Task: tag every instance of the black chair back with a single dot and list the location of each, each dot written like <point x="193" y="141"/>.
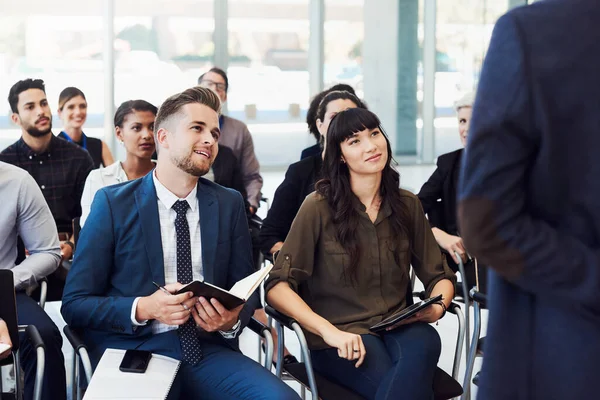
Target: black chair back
<point x="8" y="309"/>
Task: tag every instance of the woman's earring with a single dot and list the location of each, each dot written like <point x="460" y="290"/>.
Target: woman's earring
<point x="343" y="161"/>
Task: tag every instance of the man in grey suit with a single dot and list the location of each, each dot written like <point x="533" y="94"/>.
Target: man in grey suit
<point x="528" y="201"/>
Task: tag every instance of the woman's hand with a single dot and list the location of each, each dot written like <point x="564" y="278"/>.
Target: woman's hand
<point x="429" y="314"/>
<point x="349" y="345"/>
<point x="451" y="244"/>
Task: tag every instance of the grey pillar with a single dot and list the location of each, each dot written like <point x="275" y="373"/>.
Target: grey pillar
<point x="429" y="67"/>
<point x="108" y="56"/>
<point x="220" y="35"/>
<point x="391" y="56"/>
<point x="316" y="46"/>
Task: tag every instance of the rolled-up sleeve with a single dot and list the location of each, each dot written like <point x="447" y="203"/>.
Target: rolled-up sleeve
<point x="297" y="256"/>
<point x="427" y="261"/>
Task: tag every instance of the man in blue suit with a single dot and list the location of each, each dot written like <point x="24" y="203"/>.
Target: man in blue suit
<point x="171" y="227"/>
<point x="528" y="201"/>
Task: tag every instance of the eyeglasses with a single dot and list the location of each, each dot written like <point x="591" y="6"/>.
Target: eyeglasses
<point x="211" y="84"/>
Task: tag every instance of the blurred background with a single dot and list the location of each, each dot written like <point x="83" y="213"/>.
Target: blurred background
<point x="409" y="59"/>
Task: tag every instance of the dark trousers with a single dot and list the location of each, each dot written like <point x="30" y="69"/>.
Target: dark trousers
<point x="222" y="374"/>
<point x="399" y="364"/>
<point x="30" y="313"/>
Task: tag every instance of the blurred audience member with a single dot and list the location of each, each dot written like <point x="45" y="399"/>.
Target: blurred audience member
<point x="438" y="197"/>
<point x="236" y="136"/>
<point x="59" y="167"/>
<point x="72" y="110"/>
<point x="301" y="176"/>
<point x="134" y="127"/>
<point x="311" y="119"/>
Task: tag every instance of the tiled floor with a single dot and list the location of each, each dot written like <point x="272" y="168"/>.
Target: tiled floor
<point x="412" y="177"/>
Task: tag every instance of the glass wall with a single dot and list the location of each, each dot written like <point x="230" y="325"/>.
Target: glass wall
<point x="59" y="43"/>
<point x="463" y="32"/>
<point x="344" y="35"/>
<point x="162" y="46"/>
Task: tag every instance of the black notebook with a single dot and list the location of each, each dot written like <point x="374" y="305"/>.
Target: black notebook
<point x="404" y="314"/>
<point x="237" y="295"/>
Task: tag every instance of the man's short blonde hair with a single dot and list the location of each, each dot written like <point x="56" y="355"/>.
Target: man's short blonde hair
<point x="173" y="104"/>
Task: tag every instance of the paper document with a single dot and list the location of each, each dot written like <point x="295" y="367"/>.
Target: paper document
<point x="108" y="382"/>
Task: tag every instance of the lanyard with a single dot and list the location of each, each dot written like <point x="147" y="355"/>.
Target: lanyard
<point x="83" y="139"/>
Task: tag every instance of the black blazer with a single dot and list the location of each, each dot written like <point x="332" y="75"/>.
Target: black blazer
<point x="311" y="151"/>
<point x="438" y="194"/>
<point x="299" y="182"/>
<point x="227" y="171"/>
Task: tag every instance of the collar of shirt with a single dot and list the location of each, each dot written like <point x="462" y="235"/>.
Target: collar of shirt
<point x="385" y="210"/>
<point x="168" y="198"/>
<point x="66" y="137"/>
<point x="27" y="151"/>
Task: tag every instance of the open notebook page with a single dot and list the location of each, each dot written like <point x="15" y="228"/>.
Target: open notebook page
<point x="244" y="288"/>
<point x="108" y="382"/>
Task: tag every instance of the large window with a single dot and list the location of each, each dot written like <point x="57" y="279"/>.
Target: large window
<point x="464" y="29"/>
<point x="344" y="34"/>
<point x="161" y="47"/>
<point x="268" y="74"/>
<point x="61" y="44"/>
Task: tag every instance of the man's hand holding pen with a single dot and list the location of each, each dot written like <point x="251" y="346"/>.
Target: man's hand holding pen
<point x="166" y="307"/>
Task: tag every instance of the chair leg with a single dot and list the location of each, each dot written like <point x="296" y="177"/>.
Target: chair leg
<point x="280" y="345"/>
<point x="17" y="367"/>
<point x="75" y="376"/>
<point x="460" y="339"/>
<point x="268" y="363"/>
<point x="307" y="361"/>
<point x="39" y="375"/>
<point x="472" y="351"/>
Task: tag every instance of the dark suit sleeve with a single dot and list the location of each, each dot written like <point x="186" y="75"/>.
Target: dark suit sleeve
<point x="240" y="265"/>
<point x="283" y="211"/>
<point x="237" y="180"/>
<point x="496" y="222"/>
<point x="84" y="304"/>
<point x="432" y="190"/>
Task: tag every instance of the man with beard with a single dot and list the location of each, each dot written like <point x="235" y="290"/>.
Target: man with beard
<point x="59" y="167"/>
<point x="171" y="227"/>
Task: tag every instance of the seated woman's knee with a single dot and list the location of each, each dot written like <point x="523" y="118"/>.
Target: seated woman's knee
<point x="429" y="338"/>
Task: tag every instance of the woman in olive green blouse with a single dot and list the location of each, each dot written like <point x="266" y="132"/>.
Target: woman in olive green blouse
<point x="345" y="264"/>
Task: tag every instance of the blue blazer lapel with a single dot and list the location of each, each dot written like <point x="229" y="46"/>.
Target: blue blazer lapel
<point x="146" y="201"/>
<point x="209" y="228"/>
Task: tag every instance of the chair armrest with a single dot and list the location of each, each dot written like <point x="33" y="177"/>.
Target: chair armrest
<point x="257" y="327"/>
<point x="281" y="318"/>
<point x="477" y="296"/>
<point x="74" y="339"/>
<point x="420" y="295"/>
<point x="453" y="308"/>
<point x="34" y="336"/>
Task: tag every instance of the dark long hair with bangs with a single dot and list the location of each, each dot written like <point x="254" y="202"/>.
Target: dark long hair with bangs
<point x="335" y="185"/>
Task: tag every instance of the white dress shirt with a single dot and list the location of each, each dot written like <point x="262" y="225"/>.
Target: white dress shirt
<point x="166" y="199"/>
<point x="167" y="216"/>
<point x="96" y="180"/>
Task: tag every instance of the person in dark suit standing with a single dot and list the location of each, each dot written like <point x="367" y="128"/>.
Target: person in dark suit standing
<point x="438" y="197"/>
<point x="528" y="201"/>
<point x="171" y="227"/>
